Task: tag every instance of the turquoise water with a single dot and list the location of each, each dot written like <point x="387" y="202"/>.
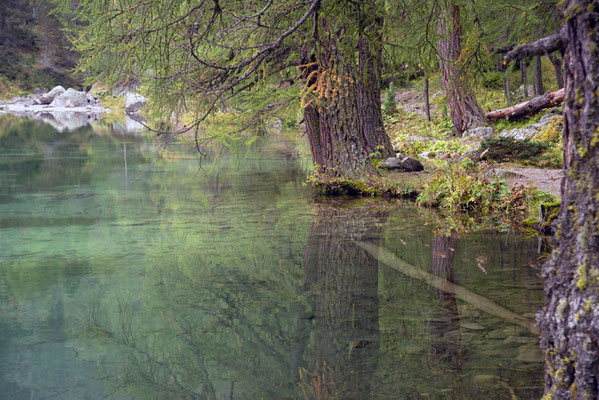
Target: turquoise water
<point x="129" y="273"/>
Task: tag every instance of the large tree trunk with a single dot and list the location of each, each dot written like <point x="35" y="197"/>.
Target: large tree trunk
<point x="465" y="111"/>
<point x="370" y="48"/>
<point x="343" y="120"/>
<point x="570" y="319"/>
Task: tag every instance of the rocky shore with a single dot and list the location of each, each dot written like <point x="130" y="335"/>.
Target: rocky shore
<point x="64" y="109"/>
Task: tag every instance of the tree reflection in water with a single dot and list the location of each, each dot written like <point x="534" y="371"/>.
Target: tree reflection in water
<point x="444" y="322"/>
<point x="342" y="280"/>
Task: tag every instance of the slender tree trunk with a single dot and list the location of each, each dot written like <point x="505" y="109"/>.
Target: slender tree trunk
<point x="570" y="319"/>
<point x="506" y="88"/>
<point x="557" y="65"/>
<point x="465" y="111"/>
<point x="523" y="78"/>
<point x="344" y="124"/>
<point x="539" y="76"/>
<point x="427" y="104"/>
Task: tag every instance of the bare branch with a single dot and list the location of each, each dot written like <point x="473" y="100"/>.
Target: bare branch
<point x="543" y="46"/>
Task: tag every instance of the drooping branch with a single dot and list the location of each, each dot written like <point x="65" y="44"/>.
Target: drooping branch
<point x="543" y="46"/>
<point x="529" y="107"/>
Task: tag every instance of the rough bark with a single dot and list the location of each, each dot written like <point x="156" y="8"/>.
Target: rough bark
<point x="342" y="282"/>
<point x="543" y="46"/>
<point x="557" y="65"/>
<point x="464" y="110"/>
<point x="539" y="76"/>
<point x="529" y="107"/>
<point x="344" y="125"/>
<point x="368" y="84"/>
<point x="569" y="321"/>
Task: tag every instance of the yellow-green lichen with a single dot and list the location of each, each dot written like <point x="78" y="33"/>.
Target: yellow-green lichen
<point x="581" y="283"/>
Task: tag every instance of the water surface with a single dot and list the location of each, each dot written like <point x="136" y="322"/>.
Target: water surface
<point x="130" y="274"/>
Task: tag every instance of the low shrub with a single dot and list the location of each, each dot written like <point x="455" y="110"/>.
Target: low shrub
<point x="510" y="149"/>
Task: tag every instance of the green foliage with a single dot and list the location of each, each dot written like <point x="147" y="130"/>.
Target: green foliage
<point x="461" y="188"/>
<point x="390" y="105"/>
<point x="403" y="124"/>
<point x="33" y="49"/>
<point x="552" y="132"/>
<point x="510" y="149"/>
<point x="413" y="148"/>
<point x="470" y="200"/>
<point x="492" y="80"/>
<point x="348" y="187"/>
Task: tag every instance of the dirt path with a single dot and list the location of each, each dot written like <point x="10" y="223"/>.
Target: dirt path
<point x="547" y="180"/>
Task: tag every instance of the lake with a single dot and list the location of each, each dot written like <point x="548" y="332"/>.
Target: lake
<point x="132" y="272"/>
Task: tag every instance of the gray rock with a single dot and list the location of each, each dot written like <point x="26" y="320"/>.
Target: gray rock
<point x="473" y="154"/>
<point x="51" y="95"/>
<point x="71" y="98"/>
<point x="428" y="155"/>
<point x="545" y="119"/>
<point x="274" y="125"/>
<point x="134" y="102"/>
<point x="519" y="134"/>
<point x="405" y="164"/>
<point x="483" y="132"/>
<point x="415" y="138"/>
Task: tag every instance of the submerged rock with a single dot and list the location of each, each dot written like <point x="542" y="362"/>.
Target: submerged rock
<point x="529" y="354"/>
<point x="472" y="326"/>
<point x="486" y="379"/>
<point x="403" y="163"/>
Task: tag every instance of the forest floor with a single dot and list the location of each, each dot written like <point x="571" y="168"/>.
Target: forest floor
<point x="409" y="126"/>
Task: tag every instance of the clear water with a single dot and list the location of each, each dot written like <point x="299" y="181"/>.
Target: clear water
<point x="132" y="276"/>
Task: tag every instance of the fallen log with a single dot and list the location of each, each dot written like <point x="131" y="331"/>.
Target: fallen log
<point x="529" y="107"/>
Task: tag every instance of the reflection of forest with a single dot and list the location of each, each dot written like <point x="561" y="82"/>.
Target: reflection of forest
<point x="234" y="285"/>
<point x="342" y="280"/>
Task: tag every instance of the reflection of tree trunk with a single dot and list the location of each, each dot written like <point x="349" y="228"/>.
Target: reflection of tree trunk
<point x="344" y="280"/>
<point x="445" y="322"/>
